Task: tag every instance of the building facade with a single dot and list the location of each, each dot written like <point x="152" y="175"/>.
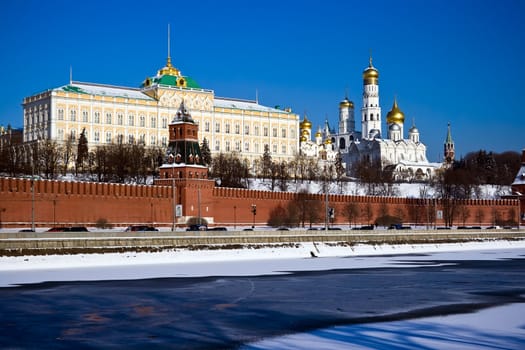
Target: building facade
<point x="405" y="157"/>
<point x="113" y="114"/>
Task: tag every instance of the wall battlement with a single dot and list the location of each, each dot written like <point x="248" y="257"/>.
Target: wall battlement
<point x="66" y="203"/>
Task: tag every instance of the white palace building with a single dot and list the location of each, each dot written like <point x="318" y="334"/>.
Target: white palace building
<point x="113" y="114"/>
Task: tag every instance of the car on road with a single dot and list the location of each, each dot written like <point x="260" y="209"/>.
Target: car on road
<point x="68" y="229"/>
<point x="140" y="228"/>
<point x="218" y="228"/>
<point x="197" y="227"/>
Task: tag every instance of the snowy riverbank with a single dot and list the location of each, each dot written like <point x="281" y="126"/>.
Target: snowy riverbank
<point x="232" y="262"/>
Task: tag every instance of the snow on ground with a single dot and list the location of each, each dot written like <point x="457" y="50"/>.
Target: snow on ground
<point x="236" y="262"/>
<point x="408" y="190"/>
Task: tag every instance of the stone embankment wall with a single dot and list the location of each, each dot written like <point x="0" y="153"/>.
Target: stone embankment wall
<point x="62" y="203"/>
<point x="56" y="243"/>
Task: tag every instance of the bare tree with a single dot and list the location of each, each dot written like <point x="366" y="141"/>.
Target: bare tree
<point x="68" y="152"/>
<point x="463" y="212"/>
<point x="277" y="216"/>
<point x="340" y="171"/>
<point x="230" y="170"/>
<point x="368" y="212"/>
<point x="351" y="212"/>
<point x="49" y="158"/>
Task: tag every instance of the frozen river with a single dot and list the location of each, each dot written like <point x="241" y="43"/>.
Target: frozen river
<point x="462" y="299"/>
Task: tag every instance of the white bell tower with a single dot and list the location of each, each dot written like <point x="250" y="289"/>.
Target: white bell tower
<point x="371" y="111"/>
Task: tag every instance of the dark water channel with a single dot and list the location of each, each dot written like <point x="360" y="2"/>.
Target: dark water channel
<point x="226" y="312"/>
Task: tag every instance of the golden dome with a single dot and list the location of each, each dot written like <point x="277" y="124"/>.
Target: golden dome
<point x="370" y="74"/>
<point x="318" y="134"/>
<point x="305" y="132"/>
<point x="346" y="103"/>
<point x="303" y="138"/>
<point x="328" y="142"/>
<point x="305" y="124"/>
<point x="169" y="69"/>
<point x="395" y="115"/>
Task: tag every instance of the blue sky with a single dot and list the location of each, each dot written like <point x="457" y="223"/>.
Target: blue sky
<point x="446" y="61"/>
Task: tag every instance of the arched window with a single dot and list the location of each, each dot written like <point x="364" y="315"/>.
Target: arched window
<point x="342" y="143"/>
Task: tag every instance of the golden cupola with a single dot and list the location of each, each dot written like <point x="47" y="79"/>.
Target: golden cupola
<point x="305" y="124"/>
<point x="169" y="69"/>
<point x="346" y="103"/>
<point x="370" y="74"/>
<point x="395" y="115"/>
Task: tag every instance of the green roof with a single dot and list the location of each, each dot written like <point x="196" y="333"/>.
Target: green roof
<point x="171" y="80"/>
<point x="71" y="88"/>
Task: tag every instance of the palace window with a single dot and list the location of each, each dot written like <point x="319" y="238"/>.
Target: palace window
<point x="283" y="149"/>
<point x="73" y="115"/>
<point x="97" y="117"/>
<point x="61" y="114"/>
<point x="131" y="139"/>
<point x="217" y="145"/>
<point x="207" y="126"/>
<point x="73" y="135"/>
<point x="120" y="119"/>
<point x="164" y="141"/>
<point x="256" y="131"/>
<point x="85" y="116"/>
<point x="283" y="132"/>
<point x="108" y="137"/>
<point x="108" y="118"/>
<point x="153" y="122"/>
<point x="238" y="146"/>
<point x="237" y="129"/>
<point x="227" y="146"/>
<point x="131" y="120"/>
<point x="256" y="147"/>
<point x="246" y="147"/>
<point x="96" y="136"/>
<point x="60" y="134"/>
<point x="227" y="128"/>
<point x="265" y="131"/>
<point x="274" y="148"/>
<point x="292" y="133"/>
<point x="274" y="132"/>
<point x="164" y="123"/>
<point x="246" y="130"/>
<point x="152" y="140"/>
<point x="142" y="139"/>
<point x="142" y="121"/>
<point x="217" y="127"/>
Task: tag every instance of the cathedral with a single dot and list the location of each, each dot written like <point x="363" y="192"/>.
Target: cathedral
<point x="405" y="157"/>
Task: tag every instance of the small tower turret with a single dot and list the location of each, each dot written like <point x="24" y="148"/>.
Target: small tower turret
<point x="449" y="151"/>
<point x="346" y="116"/>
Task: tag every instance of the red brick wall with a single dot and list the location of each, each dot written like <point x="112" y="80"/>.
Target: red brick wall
<point x="83" y="203"/>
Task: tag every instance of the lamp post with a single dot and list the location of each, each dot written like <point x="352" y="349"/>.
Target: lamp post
<point x="254" y="212"/>
<point x="174" y="201"/>
<point x="234" y="217"/>
<point x="32" y="203"/>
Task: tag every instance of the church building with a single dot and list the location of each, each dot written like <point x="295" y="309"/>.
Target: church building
<point x="405" y="157"/>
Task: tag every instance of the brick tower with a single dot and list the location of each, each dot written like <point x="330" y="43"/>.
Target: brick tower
<point x="184" y="169"/>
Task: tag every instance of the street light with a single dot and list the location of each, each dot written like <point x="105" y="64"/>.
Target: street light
<point x="234" y="217"/>
<point x="254" y="212"/>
